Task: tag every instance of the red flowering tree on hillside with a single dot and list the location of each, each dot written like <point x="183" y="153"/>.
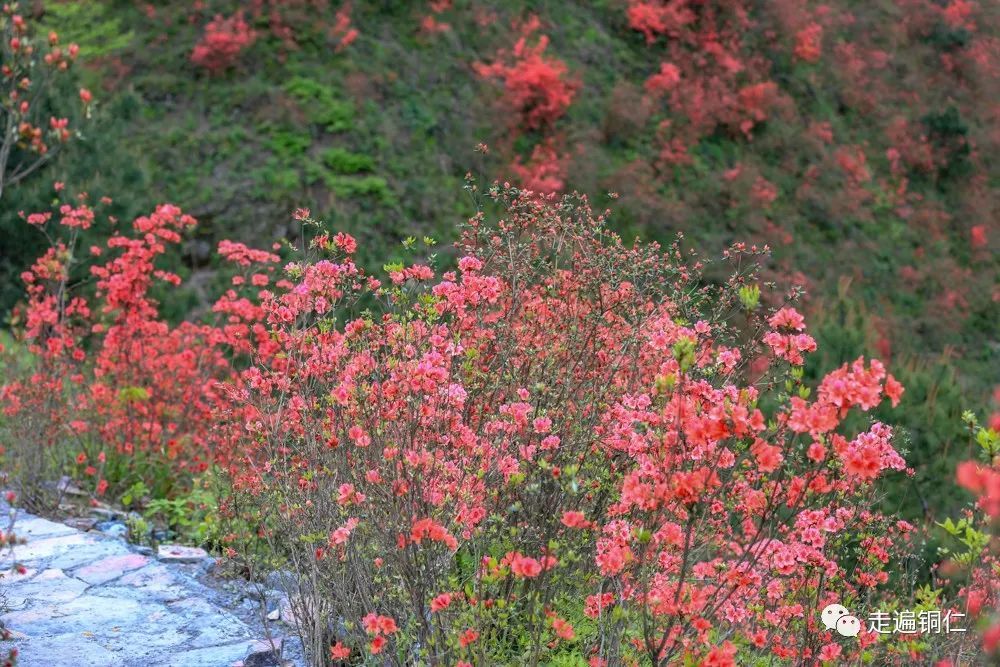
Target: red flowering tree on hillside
<point x="708" y="76"/>
<point x="536" y="85"/>
<point x="537" y="89"/>
<point x="224" y="40"/>
<point x="288" y="22"/>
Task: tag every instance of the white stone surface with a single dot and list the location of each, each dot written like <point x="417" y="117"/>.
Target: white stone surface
<point x="177" y="553"/>
<point x="90" y="600"/>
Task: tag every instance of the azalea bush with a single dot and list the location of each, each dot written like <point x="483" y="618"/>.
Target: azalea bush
<point x="538" y="90"/>
<point x="973" y="555"/>
<point x="708" y="75"/>
<point x="99" y="387"/>
<point x="225" y="38"/>
<point x="559" y="447"/>
<point x="556" y="449"/>
<point x="536" y="86"/>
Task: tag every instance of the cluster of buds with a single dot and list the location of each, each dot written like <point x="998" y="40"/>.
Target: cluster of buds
<point x="59" y="58"/>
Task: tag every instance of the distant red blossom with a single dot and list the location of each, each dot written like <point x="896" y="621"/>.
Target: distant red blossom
<point x="665" y="80"/>
<point x="544" y="172"/>
<point x="809" y="43"/>
<point x="659" y="17"/>
<point x="536" y="85"/>
<point x="223" y="42"/>
<point x="977" y="236"/>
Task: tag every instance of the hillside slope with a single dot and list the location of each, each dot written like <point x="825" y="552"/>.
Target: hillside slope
<point x="858" y="140"/>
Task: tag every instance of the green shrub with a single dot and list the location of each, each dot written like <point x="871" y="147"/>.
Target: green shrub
<point x="345" y="162"/>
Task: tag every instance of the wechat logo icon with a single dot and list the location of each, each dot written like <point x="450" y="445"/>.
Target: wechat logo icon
<point x="837" y="617"/>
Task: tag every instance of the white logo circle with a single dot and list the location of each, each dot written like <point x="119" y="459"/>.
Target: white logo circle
<point x="833" y="613"/>
<point x="849" y="626"/>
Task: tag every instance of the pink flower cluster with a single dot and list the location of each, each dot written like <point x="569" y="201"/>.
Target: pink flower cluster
<point x="224" y="40"/>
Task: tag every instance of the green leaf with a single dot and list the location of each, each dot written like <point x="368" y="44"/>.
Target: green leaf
<point x="750" y="296"/>
<point x="130" y="394"/>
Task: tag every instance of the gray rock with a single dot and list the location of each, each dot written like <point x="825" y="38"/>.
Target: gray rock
<point x="208" y="627"/>
<point x="147" y="645"/>
<point x="282" y="580"/>
<point x="88" y="600"/>
<point x="276" y="608"/>
<point x="256" y="592"/>
<point x="12" y="603"/>
<point x="287" y="612"/>
<point x="155" y="582"/>
<point x="162" y="535"/>
<point x="81" y="523"/>
<point x="66" y="486"/>
<point x="177" y="553"/>
<point x="106" y="514"/>
<point x="34" y="528"/>
<point x="110" y="568"/>
<point x="48" y="651"/>
<point x="264" y="654"/>
<point x="200" y="249"/>
<point x="212" y="656"/>
<point x="48" y="587"/>
<point x="88" y="552"/>
<point x="259" y="592"/>
<point x="112" y="528"/>
<point x="47" y="547"/>
<point x="88" y="613"/>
